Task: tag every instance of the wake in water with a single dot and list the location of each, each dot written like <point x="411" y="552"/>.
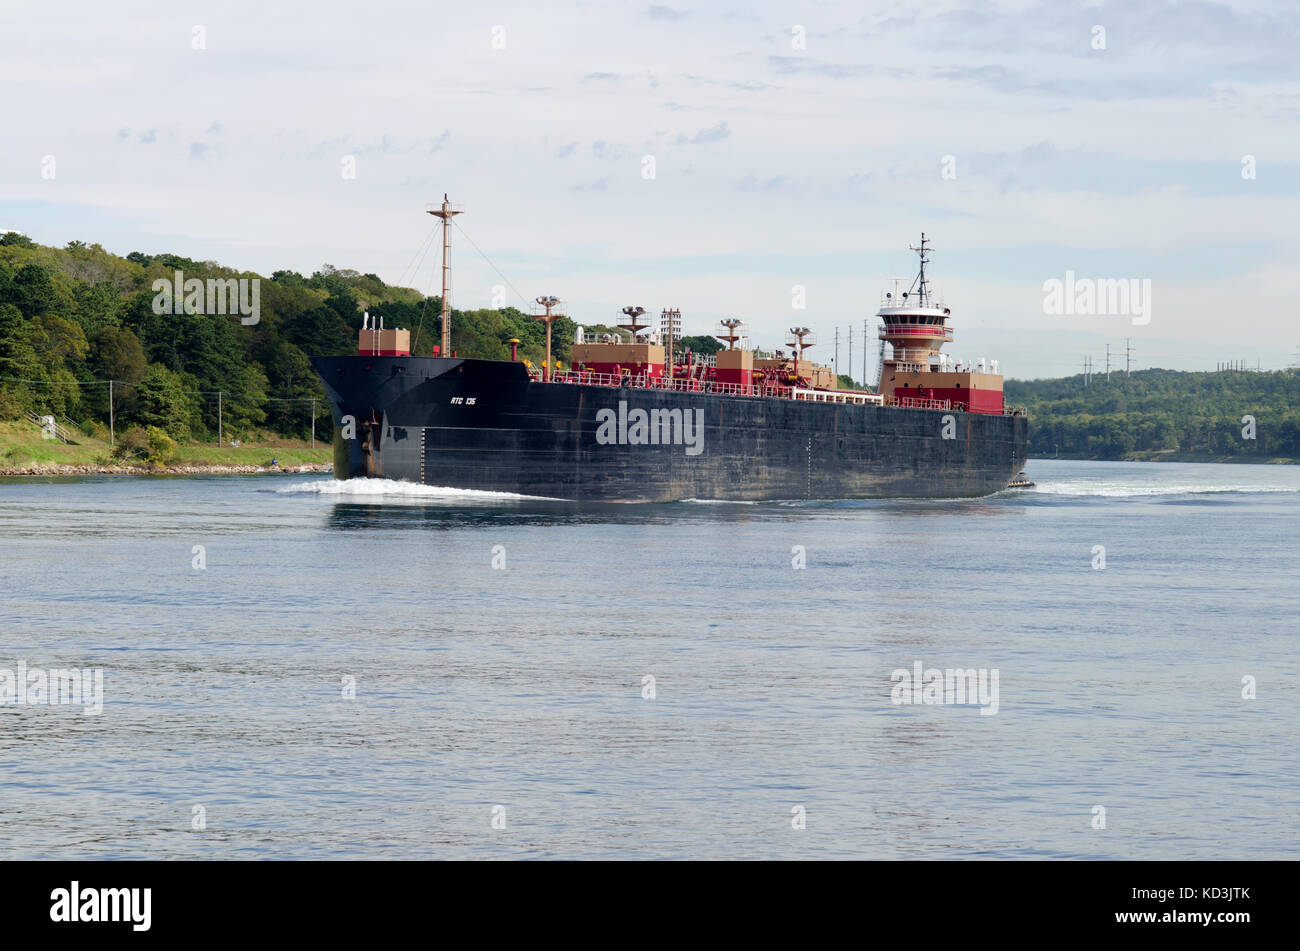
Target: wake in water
<point x="1121" y="491"/>
<point x="1111" y="480"/>
<point x="381" y="489"/>
<point x="1158" y="480"/>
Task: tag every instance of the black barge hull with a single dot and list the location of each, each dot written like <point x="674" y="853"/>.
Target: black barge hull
<point x="482" y="424"/>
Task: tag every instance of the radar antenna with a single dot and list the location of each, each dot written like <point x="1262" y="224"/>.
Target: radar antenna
<point x="921" y="284"/>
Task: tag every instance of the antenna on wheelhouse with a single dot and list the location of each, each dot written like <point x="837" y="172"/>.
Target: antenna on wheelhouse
<point x="446" y="212"/>
<point x="920" y="283"/>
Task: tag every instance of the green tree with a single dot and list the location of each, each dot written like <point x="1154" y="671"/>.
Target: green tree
<point x="18" y="360"/>
<point x="247" y="406"/>
<point x="64" y="342"/>
<point x="161" y="401"/>
<point x="701" y="343"/>
<point x="96" y="306"/>
<point x="33" y="291"/>
<point x="320" y="331"/>
<point x="118" y="355"/>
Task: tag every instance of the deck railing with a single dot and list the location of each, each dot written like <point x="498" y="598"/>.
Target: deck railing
<point x="908" y="402"/>
<point x="916" y="330"/>
<point x="934" y="301"/>
<point x="642" y="382"/>
<point x="838" y="396"/>
<point x="913" y="355"/>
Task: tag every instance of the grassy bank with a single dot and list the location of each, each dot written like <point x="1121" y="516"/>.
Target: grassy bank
<point x="22" y="444"/>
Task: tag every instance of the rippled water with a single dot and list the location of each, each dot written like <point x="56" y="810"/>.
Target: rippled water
<point x="522" y="687"/>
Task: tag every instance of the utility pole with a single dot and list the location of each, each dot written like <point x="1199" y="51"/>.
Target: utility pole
<point x="1128" y="356"/>
<point x="670" y="328"/>
<point x="850" y="354"/>
<point x="446" y="213"/>
<point x="837" y="357"/>
<point x="1107" y="363"/>
<point x="220" y="437"/>
<point x="111" y="440"/>
<point x="313" y="424"/>
<point x="1086" y="366"/>
<point x="864" y="350"/>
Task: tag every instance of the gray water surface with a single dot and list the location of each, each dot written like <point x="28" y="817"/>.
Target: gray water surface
<point x="522" y="687"/>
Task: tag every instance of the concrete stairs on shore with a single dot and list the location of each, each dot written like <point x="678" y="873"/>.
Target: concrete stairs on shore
<point x="51" y="427"/>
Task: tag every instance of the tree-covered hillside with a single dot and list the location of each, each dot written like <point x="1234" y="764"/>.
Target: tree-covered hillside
<point x="72" y="319"/>
<point x="1163" y="414"/>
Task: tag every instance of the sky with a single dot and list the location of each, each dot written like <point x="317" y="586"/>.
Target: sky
<point x="726" y="159"/>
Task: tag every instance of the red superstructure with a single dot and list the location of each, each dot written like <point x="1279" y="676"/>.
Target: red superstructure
<point x="917" y="372"/>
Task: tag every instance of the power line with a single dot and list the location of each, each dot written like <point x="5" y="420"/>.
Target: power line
<point x="865" y="382"/>
<point x="14" y="379"/>
<point x="237" y="393"/>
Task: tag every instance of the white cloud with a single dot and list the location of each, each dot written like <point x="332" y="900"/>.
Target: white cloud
<point x="830" y="153"/>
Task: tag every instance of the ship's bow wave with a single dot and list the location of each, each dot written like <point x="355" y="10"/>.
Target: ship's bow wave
<point x="393" y="489"/>
<point x="1124" y="490"/>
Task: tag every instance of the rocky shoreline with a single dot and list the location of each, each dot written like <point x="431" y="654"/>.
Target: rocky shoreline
<point x="57" y="469"/>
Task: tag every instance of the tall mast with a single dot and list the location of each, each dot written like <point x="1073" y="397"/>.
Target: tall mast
<point x="548" y="318"/>
<point x="923" y="250"/>
<point x="446" y="213"/>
